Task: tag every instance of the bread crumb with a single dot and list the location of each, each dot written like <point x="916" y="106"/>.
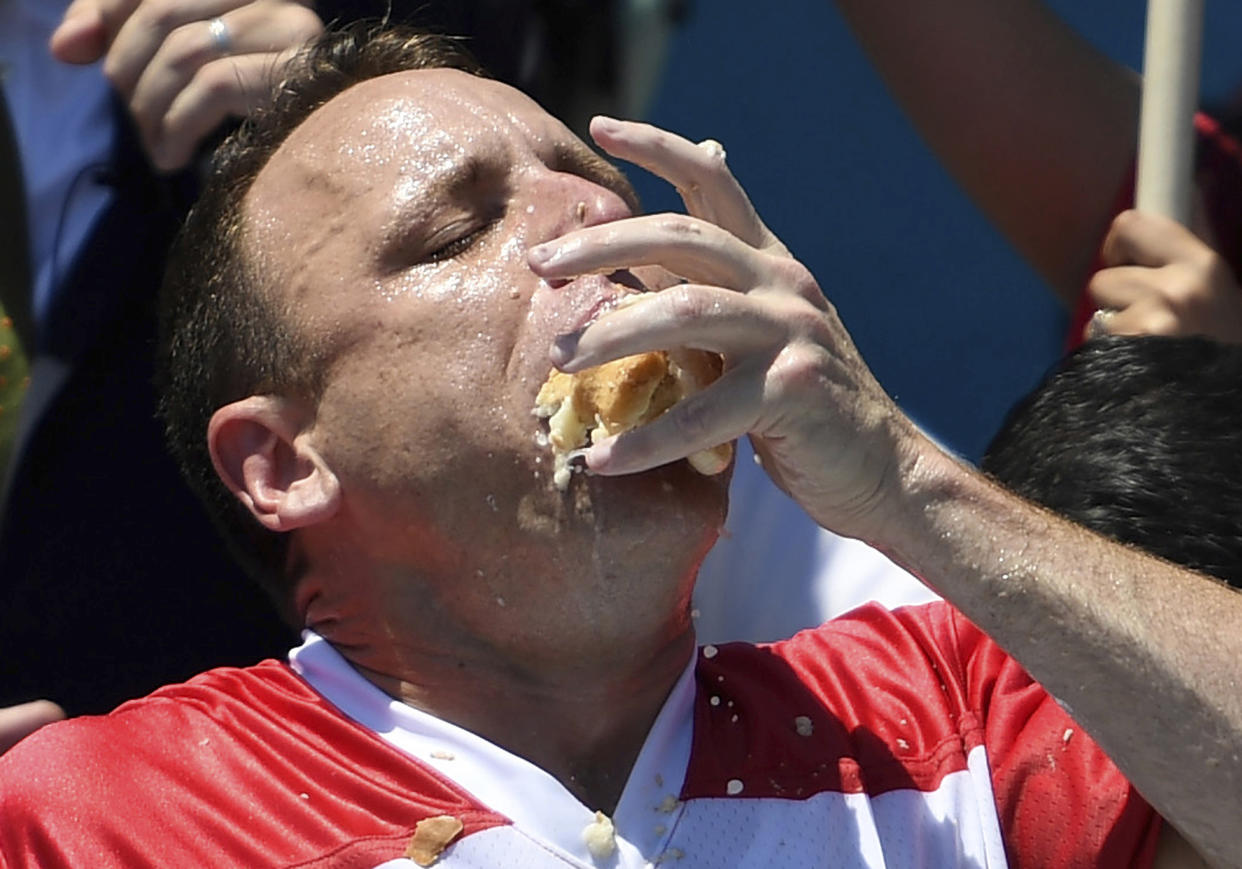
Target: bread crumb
<point x="733" y="787"/>
<point x="667" y="805"/>
<point x="803" y="725"/>
<point x="600" y="836"/>
<point x="441" y="754"/>
<point x="709" y="651"/>
<point x="715" y="701"/>
<point x="431" y="837"/>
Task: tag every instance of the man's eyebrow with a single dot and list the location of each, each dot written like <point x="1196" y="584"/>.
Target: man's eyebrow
<point x="461" y="174"/>
<point x="578" y="159"/>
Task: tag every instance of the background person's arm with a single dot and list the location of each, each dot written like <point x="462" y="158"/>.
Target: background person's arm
<point x="1036" y="125"/>
<point x="18" y="722"/>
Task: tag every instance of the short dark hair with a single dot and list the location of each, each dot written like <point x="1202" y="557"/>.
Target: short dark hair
<point x="221" y="336"/>
<point x="1139" y="439"/>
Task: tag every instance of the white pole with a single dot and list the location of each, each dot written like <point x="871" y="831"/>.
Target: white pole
<point x="1171" y="61"/>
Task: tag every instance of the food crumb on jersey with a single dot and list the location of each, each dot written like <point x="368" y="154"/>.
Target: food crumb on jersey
<point x="709" y="651"/>
<point x="1065" y="737"/>
<point x="803" y="725"/>
<point x="600" y="836"/>
<point x="670" y="854"/>
<point x="667" y="805"/>
<point x="441" y="754"/>
<point x="431" y="837"/>
<point x="733" y="787"/>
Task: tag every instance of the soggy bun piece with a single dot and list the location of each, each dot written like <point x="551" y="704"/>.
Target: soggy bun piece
<point x="620" y="395"/>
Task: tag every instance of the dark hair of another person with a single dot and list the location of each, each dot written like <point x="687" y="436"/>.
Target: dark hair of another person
<point x="221" y="337"/>
<point x="1139" y="439"/>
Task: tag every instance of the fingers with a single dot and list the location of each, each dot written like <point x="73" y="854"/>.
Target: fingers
<point x="1120" y="286"/>
<point x="692" y="248"/>
<point x="1143" y="239"/>
<point x="168" y="62"/>
<point x="224" y="88"/>
<point x="88" y="28"/>
<point x="153" y="24"/>
<point x="18" y="722"/>
<point x="704" y="318"/>
<point x="1148" y="316"/>
<point x="698" y="422"/>
<point x="699" y="173"/>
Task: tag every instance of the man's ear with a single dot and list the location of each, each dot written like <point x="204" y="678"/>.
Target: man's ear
<point x="264" y="454"/>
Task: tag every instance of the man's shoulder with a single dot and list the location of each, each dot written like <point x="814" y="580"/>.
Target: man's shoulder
<point x="72" y="759"/>
<point x="251" y="762"/>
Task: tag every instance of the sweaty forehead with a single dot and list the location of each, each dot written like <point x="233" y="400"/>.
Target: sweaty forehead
<point x="417" y="113"/>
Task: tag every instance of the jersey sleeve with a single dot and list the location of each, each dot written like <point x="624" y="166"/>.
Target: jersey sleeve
<point x="1060" y="800"/>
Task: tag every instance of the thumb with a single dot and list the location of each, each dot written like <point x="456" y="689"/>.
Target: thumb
<point x="82" y="36"/>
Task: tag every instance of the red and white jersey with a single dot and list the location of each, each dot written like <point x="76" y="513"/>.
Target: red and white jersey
<point x="886" y="738"/>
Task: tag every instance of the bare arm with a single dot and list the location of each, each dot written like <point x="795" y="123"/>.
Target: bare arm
<point x="1036" y="125"/>
<point x="1145" y="654"/>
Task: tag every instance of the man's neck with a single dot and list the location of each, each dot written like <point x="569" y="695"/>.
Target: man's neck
<point x="585" y="723"/>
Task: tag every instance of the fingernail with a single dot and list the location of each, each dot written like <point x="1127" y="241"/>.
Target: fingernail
<point x="600" y="452"/>
<point x="541" y="254"/>
<point x="606" y="124"/>
<point x="564" y="348"/>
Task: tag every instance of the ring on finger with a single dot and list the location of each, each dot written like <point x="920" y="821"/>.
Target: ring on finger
<point x="221" y="38"/>
<point x="1098" y="324"/>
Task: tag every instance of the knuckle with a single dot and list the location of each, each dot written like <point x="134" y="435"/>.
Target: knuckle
<point x="185" y="51"/>
<point x="796" y="369"/>
<point x="795" y="276"/>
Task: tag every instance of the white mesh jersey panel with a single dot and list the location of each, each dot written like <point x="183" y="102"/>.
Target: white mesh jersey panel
<point x="952" y="826"/>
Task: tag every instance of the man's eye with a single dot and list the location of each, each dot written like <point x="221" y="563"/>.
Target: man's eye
<point x="459" y="245"/>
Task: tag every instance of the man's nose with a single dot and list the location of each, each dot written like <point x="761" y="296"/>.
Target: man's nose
<point x="571" y="202"/>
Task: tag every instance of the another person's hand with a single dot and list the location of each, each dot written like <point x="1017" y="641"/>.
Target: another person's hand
<point x="1161" y="279"/>
<point x="823" y="427"/>
<point x="18" y="722"/>
<point x="184" y="66"/>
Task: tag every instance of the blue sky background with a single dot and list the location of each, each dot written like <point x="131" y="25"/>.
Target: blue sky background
<point x="952" y="322"/>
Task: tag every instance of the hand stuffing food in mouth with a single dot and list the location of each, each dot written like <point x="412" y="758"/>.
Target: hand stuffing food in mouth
<point x="621" y="395"/>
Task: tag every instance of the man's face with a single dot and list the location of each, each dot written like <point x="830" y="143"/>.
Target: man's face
<point x="395" y="224"/>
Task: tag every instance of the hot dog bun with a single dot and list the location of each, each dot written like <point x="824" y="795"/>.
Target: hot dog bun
<point x="620" y="395"/>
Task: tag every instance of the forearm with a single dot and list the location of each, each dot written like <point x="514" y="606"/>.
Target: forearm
<point x="1035" y="124"/>
<point x="1144" y="654"/>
